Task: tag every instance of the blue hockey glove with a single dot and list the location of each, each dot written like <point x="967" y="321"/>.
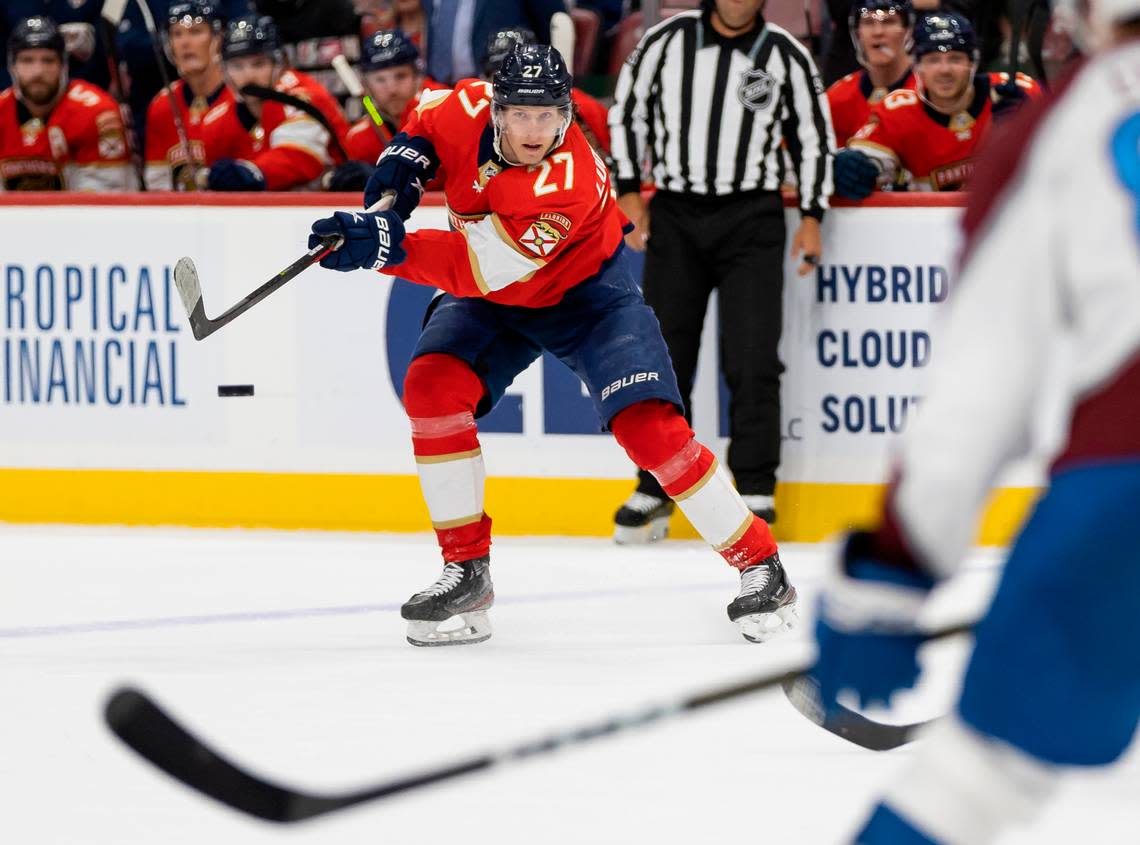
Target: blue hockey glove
<point x="349" y="176"/>
<point x="867" y="630"/>
<point x="370" y="239"/>
<point x="230" y="174"/>
<point x="855" y="175"/>
<point x="407" y="164"/>
<point x="1007" y="98"/>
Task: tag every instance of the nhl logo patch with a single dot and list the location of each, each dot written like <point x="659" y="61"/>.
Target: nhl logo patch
<point x="541" y="238"/>
<point x="756" y="89"/>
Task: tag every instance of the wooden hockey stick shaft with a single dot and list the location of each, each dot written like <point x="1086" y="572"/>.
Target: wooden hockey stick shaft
<point x="142" y="724"/>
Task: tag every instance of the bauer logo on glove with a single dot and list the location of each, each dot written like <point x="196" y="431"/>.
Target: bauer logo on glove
<point x="371" y="240"/>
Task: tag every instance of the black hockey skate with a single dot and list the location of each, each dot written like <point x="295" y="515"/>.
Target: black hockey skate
<point x="642" y="519"/>
<point x="766" y="603"/>
<point x="453" y="610"/>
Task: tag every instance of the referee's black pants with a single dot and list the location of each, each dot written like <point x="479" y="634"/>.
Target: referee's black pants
<point x="735" y="245"/>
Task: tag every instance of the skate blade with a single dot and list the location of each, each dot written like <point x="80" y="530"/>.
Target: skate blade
<point x="760" y="627"/>
<point x="651" y="532"/>
<point x="461" y="629"/>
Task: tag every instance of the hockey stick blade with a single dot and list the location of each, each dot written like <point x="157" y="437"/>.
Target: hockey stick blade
<point x="153" y="734"/>
<point x="190" y="290"/>
<point x="803" y="693"/>
<point x="190" y="287"/>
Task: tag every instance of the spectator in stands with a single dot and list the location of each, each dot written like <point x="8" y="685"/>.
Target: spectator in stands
<point x="77" y="21"/>
<point x="707" y="98"/>
<point x="459" y="30"/>
<point x="394" y="80"/>
<point x="610" y="11"/>
<point x="258" y="143"/>
<point x="56" y="134"/>
<point x="134" y="49"/>
<point x="192" y="36"/>
<point x="404" y="15"/>
<point x="590" y="115"/>
<point x="929" y="135"/>
<point x="881" y="31"/>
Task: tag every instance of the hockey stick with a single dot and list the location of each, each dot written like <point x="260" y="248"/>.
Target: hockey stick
<point x="190" y="288"/>
<point x="803" y="693"/>
<point x="151" y="732"/>
<point x="263" y="93"/>
<point x="356" y="89"/>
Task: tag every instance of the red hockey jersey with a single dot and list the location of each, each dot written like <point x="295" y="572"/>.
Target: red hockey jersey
<point x="522" y="235"/>
<point x="80" y="147"/>
<point x="287" y="145"/>
<point x="852" y="98"/>
<point x="593" y="119"/>
<point x="366" y="139"/>
<point x="937" y="150"/>
<point x="165" y="157"/>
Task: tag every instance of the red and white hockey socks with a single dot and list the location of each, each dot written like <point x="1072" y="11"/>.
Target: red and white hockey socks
<point x="440" y="396"/>
<point x="657" y="438"/>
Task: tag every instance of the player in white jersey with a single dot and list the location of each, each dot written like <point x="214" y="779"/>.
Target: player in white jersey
<point x="1052" y="255"/>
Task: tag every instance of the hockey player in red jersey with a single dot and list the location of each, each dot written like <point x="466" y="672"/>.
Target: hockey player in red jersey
<point x="259" y="145"/>
<point x="881" y="32"/>
<point x="54" y="134"/>
<point x="535" y="261"/>
<point x="193" y="40"/>
<point x="1045" y="316"/>
<point x="927" y="137"/>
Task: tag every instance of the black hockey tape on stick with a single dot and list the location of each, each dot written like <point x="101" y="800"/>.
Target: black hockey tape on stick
<point x="144" y="726"/>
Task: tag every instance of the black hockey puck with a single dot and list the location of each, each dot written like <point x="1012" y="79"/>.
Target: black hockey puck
<point x="227" y="390"/>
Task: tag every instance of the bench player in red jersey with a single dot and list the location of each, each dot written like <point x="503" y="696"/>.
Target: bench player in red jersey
<point x="535" y="261"/>
<point x="928" y="137"/>
<point x="393" y="77"/>
<point x="881" y="32"/>
<point x="54" y="134"/>
<point x="193" y="41"/>
<point x="260" y="145"/>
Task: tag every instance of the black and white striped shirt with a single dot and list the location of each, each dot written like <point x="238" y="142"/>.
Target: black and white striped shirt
<point x="709" y="113"/>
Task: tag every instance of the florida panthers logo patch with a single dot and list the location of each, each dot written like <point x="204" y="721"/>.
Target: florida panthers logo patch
<point x="541" y="238"/>
<point x="756" y="89"/>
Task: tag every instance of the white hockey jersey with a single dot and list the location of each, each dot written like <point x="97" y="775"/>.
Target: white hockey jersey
<point x="1055" y="253"/>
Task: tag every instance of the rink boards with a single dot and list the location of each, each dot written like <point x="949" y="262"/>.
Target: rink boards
<point x="112" y="411"/>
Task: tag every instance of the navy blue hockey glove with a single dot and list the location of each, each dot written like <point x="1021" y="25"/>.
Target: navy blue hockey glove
<point x="371" y="239"/>
<point x="230" y="174"/>
<point x="1007" y="98"/>
<point x="407" y="164"/>
<point x="349" y="176"/>
<point x="867" y="631"/>
<point x="855" y="175"/>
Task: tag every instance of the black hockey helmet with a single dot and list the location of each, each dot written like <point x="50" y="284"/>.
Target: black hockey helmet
<point x="388" y="48"/>
<point x="945" y="32"/>
<point x="251" y="35"/>
<point x="191" y="12"/>
<point x="38" y="32"/>
<point x="532" y="75"/>
<point x="861" y="8"/>
<point x="500" y="44"/>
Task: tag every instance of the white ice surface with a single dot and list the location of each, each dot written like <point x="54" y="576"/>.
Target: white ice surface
<point x="287" y="651"/>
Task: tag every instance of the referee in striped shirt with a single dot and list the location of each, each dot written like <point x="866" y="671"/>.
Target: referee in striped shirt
<point x="709" y="100"/>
